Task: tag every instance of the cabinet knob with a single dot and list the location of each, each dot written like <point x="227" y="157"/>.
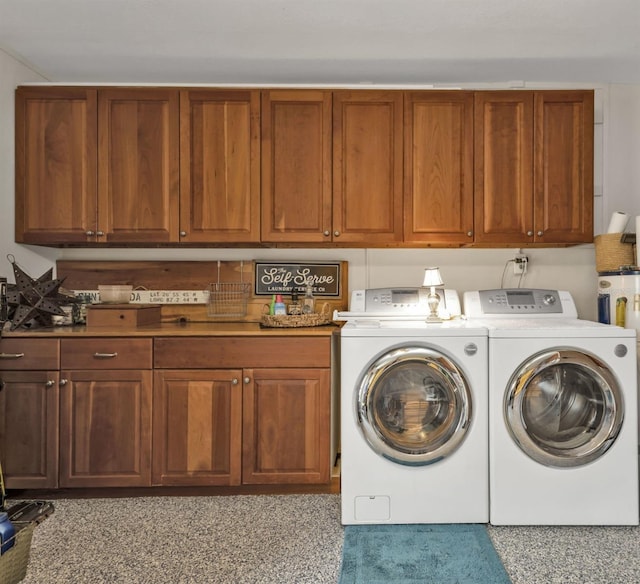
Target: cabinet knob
<point x="326" y="233"/>
<point x="530" y="233"/>
<point x="469" y="233"/>
<point x="50" y="383"/>
<point x="99" y="233"/>
<point x="183" y="234"/>
<point x="247" y="380"/>
<point x="63" y="382"/>
<point x="234" y="381"/>
<point x="540" y="233"/>
<point x="336" y="234"/>
<point x="90" y="233"/>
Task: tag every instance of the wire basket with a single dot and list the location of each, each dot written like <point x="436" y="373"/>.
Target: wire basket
<point x="228" y="299"/>
<point x="14" y="562"/>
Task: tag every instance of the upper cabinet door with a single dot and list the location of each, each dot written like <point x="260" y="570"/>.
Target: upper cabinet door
<point x="296" y="166"/>
<point x="563" y="179"/>
<point x="138" y="189"/>
<point x="367" y="167"/>
<point x="503" y="173"/>
<point x="220" y="166"/>
<point x="438" y="162"/>
<point x="56" y="153"/>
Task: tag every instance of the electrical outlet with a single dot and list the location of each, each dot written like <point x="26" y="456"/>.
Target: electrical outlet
<point x="520" y="263"/>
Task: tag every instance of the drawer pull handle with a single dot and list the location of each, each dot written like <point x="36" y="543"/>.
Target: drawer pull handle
<point x="11" y="355"/>
<point x="105" y="355"/>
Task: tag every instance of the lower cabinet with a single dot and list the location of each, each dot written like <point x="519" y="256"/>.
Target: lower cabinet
<point x="267" y="422"/>
<point x="29" y="413"/>
<point x="105" y="412"/>
<point x="197" y="421"/>
<point x="286" y="426"/>
<point x="170" y="411"/>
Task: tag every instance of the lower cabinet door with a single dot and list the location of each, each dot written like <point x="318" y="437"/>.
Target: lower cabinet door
<point x="105" y="428"/>
<point x="197" y="427"/>
<point x="286" y="426"/>
<point x="29" y="429"/>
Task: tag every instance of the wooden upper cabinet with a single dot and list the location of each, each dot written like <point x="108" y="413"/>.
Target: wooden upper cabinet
<point x="56" y="156"/>
<point x="367" y="167"/>
<point x="296" y="166"/>
<point x="563" y="163"/>
<point x="438" y="167"/>
<point x="220" y="166"/>
<point x="138" y="189"/>
<point x="534" y="167"/>
<point x="503" y="154"/>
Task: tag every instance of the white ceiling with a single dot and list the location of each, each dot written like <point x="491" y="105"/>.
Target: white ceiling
<point x="325" y="41"/>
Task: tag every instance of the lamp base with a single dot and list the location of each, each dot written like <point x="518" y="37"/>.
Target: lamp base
<point x="433" y="318"/>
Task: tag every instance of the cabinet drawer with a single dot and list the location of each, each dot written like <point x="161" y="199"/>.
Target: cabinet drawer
<point x="29" y="354"/>
<point x="106" y="353"/>
<point x="225" y="352"/>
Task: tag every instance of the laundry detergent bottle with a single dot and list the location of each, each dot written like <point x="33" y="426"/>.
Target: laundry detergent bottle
<point x="7" y="532"/>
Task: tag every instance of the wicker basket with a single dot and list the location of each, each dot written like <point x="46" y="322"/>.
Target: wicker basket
<point x="296" y="320"/>
<point x="611" y="253"/>
<point x="14" y="562"/>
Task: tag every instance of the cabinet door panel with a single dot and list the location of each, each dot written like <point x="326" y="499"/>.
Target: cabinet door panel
<point x="138" y="165"/>
<point x="438" y="204"/>
<point x="286" y="426"/>
<point x="29" y="429"/>
<point x="56" y="157"/>
<point x="563" y="181"/>
<point x="220" y="166"/>
<point x="503" y="173"/>
<point x="197" y="427"/>
<point x="105" y="428"/>
<point x="367" y="166"/>
<point x="296" y="166"/>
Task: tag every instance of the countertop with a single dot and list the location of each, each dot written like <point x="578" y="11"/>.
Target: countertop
<point x="175" y="329"/>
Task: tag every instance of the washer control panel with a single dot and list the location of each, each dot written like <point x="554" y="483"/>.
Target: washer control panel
<point x="529" y="302"/>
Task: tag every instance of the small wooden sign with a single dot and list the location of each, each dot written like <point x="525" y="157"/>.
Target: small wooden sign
<point x="284" y="277"/>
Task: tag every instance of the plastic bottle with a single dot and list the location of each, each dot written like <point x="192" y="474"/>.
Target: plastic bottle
<point x="308" y="302"/>
<point x="272" y="306"/>
<point x="7" y="532"/>
<point x="279" y="307"/>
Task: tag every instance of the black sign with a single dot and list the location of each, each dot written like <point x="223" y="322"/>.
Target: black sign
<point x="283" y="278"/>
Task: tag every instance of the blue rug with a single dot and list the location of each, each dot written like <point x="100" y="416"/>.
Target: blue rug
<point x="424" y="554"/>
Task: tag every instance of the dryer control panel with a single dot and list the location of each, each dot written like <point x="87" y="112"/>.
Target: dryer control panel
<point x="514" y="302"/>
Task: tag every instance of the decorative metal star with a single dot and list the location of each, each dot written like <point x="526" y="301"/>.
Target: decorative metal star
<point x="34" y="300"/>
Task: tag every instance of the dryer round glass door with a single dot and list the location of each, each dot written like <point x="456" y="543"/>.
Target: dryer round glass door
<point x="414" y="405"/>
<point x="563" y="407"/>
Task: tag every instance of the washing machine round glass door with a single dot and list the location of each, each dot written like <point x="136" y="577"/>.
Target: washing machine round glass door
<point x="563" y="407"/>
<point x="414" y="405"/>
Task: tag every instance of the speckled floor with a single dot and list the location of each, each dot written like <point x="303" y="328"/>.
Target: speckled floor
<point x="275" y="539"/>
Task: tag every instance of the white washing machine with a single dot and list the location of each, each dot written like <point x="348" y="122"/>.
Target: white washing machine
<point x="413" y="413"/>
<point x="563" y="418"/>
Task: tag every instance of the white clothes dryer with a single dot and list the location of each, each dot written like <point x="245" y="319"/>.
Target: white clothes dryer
<point x="413" y="419"/>
<point x="563" y="412"/>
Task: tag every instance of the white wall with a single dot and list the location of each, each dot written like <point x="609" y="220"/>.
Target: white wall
<point x="617" y="188"/>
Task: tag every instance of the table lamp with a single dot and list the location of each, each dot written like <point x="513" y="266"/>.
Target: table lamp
<point x="432" y="278"/>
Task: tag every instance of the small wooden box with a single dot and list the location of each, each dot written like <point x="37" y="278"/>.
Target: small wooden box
<point x="123" y="315"/>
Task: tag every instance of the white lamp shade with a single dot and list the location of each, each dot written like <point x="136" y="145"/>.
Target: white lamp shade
<point x="432" y="277"/>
